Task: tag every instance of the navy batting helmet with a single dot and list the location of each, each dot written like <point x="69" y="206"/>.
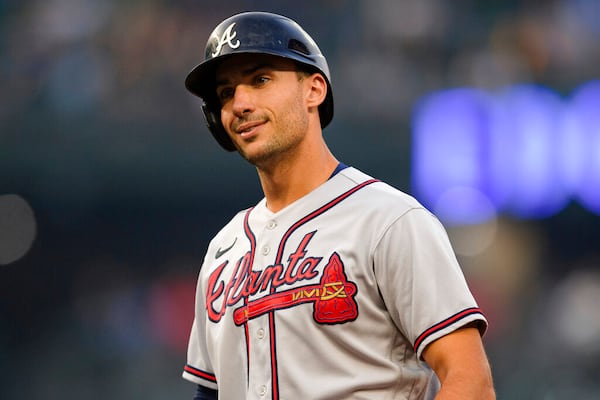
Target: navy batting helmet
<point x="254" y="33"/>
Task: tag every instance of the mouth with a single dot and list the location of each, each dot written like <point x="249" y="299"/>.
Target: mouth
<point x="247" y="129"/>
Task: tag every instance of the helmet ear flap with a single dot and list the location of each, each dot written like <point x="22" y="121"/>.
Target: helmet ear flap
<point x="212" y="118"/>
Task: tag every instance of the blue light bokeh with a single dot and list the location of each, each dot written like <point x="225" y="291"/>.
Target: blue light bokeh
<point x="523" y="149"/>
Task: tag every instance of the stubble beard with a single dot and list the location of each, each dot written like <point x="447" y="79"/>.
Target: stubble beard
<point x="283" y="141"/>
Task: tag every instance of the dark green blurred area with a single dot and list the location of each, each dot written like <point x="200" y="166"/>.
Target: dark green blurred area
<point x="100" y="138"/>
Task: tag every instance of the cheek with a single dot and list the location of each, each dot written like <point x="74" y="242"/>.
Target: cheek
<point x="296" y="112"/>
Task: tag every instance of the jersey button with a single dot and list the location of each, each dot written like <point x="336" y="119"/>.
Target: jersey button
<point x="260" y="334"/>
<point x="265" y="250"/>
<point x="272" y="224"/>
<point x="262" y="390"/>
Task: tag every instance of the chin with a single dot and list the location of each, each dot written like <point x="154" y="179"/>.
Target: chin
<point x="252" y="154"/>
<point x="259" y="157"/>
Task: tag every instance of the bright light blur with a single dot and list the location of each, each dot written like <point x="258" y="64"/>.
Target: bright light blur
<point x="17" y="228"/>
<point x="523" y="149"/>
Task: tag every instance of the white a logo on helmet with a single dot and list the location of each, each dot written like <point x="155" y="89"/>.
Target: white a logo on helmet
<point x="226" y="39"/>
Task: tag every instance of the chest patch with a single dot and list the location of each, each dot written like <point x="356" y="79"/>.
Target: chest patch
<point x="332" y="298"/>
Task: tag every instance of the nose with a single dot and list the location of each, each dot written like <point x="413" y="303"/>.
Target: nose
<point x="242" y="100"/>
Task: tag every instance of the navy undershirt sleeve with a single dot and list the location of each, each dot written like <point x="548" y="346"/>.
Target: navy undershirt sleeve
<point x="204" y="393"/>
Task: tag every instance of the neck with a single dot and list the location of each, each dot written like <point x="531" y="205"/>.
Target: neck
<point x="295" y="176"/>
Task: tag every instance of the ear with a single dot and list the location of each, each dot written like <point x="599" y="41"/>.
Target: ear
<point x="317" y="90"/>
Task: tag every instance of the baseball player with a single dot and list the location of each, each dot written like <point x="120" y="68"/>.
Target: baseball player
<point x="335" y="285"/>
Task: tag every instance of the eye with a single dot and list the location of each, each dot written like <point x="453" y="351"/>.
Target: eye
<point x="224" y="93"/>
<point x="261" y="80"/>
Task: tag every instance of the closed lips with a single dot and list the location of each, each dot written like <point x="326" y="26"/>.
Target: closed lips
<point x="246" y="127"/>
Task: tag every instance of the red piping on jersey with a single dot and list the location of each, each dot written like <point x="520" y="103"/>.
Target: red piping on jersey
<point x="274" y="374"/>
<point x="302" y="221"/>
<point x="318" y="212"/>
<point x="199" y="373"/>
<point x="252" y="239"/>
<point x="444" y="324"/>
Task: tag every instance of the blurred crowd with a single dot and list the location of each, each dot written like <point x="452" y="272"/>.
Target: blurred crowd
<point x="99" y="137"/>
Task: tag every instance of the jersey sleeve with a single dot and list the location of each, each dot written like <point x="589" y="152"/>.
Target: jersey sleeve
<point x="198" y="368"/>
<point x="421" y="281"/>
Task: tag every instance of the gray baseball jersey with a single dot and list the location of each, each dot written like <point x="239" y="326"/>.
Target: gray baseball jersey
<point x="333" y="297"/>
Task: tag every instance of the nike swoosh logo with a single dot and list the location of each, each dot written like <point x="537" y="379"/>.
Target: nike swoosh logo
<point x="220" y="251"/>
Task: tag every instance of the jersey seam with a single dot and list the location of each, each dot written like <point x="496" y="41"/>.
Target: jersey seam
<point x="387" y="228"/>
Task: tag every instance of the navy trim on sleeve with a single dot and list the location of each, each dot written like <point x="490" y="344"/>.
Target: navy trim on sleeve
<point x="445" y="323"/>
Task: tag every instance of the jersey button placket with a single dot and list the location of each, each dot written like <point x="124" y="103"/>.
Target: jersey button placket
<point x="260" y="334"/>
<point x="262" y="390"/>
<point x="272" y="224"/>
<point x="260" y="371"/>
<point x="265" y="250"/>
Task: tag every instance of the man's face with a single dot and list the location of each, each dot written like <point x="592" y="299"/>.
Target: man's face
<point x="263" y="106"/>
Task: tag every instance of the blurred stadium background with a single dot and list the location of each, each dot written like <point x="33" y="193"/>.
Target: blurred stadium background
<point x="111" y="186"/>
